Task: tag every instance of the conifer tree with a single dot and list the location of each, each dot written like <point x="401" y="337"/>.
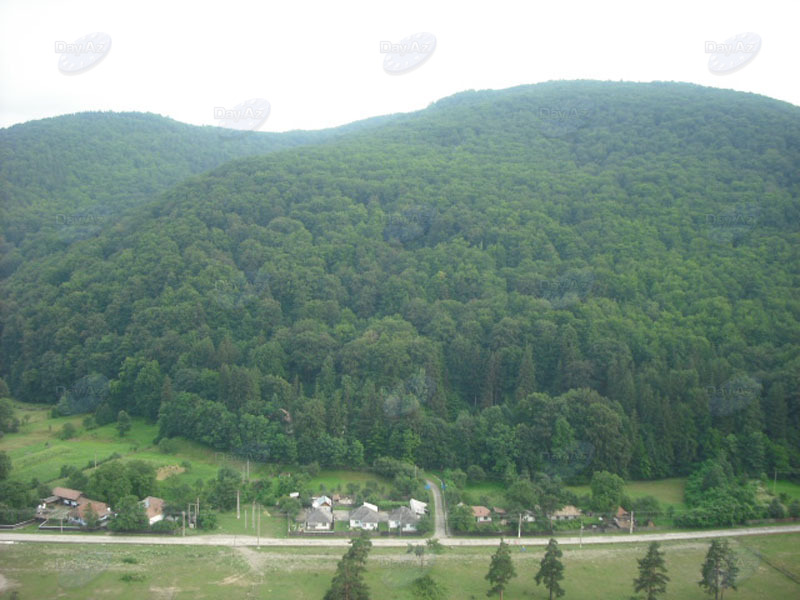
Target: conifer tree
<point x="501" y="570"/>
<point x="652" y="573"/>
<point x="551" y="570"/>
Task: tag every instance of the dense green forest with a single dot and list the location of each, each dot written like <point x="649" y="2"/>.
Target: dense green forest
<point x="562" y="278"/>
<point x="67" y="178"/>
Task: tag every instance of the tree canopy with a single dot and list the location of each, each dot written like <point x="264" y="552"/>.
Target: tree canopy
<point x="564" y="278"/>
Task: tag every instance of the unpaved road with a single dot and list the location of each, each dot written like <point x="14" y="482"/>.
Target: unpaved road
<point x="238" y="540"/>
<point x="440" y="530"/>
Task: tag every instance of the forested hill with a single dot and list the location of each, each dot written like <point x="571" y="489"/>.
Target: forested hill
<point x="66" y="178"/>
<point x="562" y="277"/>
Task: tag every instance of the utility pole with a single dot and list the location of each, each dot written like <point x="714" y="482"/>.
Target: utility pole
<point x="183" y="517"/>
<point x="631" y="530"/>
<point x="519" y="527"/>
<point x="253" y="520"/>
<point x="245" y="519"/>
<point x="237" y="505"/>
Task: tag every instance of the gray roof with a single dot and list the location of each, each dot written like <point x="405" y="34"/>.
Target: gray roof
<point x="405" y="515"/>
<point x="364" y="514"/>
<point x="319" y="515"/>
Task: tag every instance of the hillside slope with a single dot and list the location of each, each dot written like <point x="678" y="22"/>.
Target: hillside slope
<point x="568" y="276"/>
<point x="66" y="178"/>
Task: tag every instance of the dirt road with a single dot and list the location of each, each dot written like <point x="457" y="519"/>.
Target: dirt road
<point x="440" y="530"/>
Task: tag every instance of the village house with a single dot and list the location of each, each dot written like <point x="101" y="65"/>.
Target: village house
<point x="528" y="516"/>
<point x="365" y="517"/>
<point x="403" y="519"/>
<point x="79" y="513"/>
<point x="567" y="513"/>
<point x="342" y="500"/>
<point x="72" y="506"/>
<point x="65" y="496"/>
<point x="622" y="519"/>
<point x="320" y="501"/>
<point x="154" y="507"/>
<point x="419" y="508"/>
<point x="500" y="514"/>
<point x="319" y="519"/>
<point x="482" y="514"/>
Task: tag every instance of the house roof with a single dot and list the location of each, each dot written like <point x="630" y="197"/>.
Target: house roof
<point x="498" y="510"/>
<point x="621" y="513"/>
<point x="100" y="508"/>
<point x="67" y="493"/>
<point x="320" y="515"/>
<point x="364" y="514"/>
<point x="480" y="511"/>
<point x="417" y="506"/>
<point x="404" y="515"/>
<point x="321" y="501"/>
<point x="370" y="506"/>
<point x="568" y="511"/>
<point x="153" y="506"/>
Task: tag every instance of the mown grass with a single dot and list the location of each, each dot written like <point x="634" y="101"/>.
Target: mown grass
<point x="337" y="479"/>
<point x="605" y="571"/>
<point x="669" y="492"/>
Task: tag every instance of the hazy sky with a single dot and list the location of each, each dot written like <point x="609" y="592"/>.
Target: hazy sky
<point x="321" y="64"/>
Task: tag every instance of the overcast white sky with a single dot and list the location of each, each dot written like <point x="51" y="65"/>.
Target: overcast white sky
<point x="319" y="64"/>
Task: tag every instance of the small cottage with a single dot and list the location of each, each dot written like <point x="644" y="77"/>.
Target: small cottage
<point x="567" y="513"/>
<point x="482" y="514"/>
<point x="365" y="517"/>
<point x="319" y="519"/>
<point x="154" y="507"/>
<point x="403" y="519"/>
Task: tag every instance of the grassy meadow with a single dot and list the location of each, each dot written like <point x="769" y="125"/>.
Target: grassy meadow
<point x="604" y="571"/>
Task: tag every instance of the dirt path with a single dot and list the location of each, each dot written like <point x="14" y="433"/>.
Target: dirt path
<point x="440" y="522"/>
<point x="250" y="541"/>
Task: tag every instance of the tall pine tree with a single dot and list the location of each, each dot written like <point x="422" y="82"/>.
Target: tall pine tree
<point x="348" y="582"/>
<point x="551" y="570"/>
<point x="652" y="573"/>
<point x="501" y="570"/>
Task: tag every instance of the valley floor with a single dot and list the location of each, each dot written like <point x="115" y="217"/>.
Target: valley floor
<point x="769" y="566"/>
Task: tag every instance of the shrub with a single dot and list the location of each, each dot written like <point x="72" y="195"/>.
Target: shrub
<point x="794" y="509"/>
<point x="130" y="560"/>
<point x="311" y="469"/>
<point x="164" y="526"/>
<point x="776" y="510"/>
<point x="456" y="477"/>
<point x="475" y="473"/>
<point x="168" y="446"/>
<point x="67" y="431"/>
<point x="130" y="577"/>
<point x="207" y="520"/>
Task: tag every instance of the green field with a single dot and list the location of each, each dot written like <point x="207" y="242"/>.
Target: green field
<point x="337" y="480"/>
<point x="668" y="491"/>
<point x="84" y="571"/>
<point x="36" y="451"/>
